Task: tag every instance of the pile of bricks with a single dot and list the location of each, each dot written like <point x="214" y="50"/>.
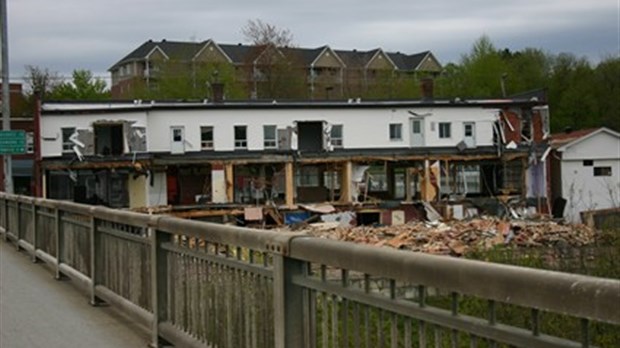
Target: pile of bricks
<point x="459" y="237"/>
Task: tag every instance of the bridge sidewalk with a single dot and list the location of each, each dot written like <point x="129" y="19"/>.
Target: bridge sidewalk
<point x="38" y="311"/>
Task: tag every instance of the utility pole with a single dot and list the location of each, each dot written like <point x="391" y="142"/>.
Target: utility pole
<point x="6" y="97"/>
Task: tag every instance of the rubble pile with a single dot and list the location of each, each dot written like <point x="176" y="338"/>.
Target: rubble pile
<point x="459" y="237"/>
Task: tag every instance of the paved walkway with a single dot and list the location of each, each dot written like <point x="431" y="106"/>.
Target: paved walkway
<point x="38" y="311"/>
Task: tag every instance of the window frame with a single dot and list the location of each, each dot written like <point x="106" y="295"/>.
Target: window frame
<point x="396" y="131"/>
<point x="442" y="130"/>
<point x="67" y="144"/>
<point x="240" y="143"/>
<point x="206" y="144"/>
<point x="269" y="143"/>
<point x="29" y="142"/>
<point x="602" y="171"/>
<point x="336" y="141"/>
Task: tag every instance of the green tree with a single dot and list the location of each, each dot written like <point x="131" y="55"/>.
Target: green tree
<point x="607" y="89"/>
<point x="483" y="69"/>
<point x="83" y="86"/>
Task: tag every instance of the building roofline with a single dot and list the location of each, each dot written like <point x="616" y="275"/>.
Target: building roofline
<point x="587" y="136"/>
<point x="51" y="108"/>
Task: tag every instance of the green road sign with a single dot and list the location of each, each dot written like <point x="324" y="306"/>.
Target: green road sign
<point x="12" y="142"/>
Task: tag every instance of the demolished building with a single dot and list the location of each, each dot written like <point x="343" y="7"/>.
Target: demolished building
<point x="221" y="157"/>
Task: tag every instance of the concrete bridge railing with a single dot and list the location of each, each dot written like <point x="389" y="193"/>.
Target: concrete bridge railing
<point x="198" y="284"/>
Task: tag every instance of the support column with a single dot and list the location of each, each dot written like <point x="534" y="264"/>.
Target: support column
<point x="229" y="174"/>
<point x="345" y="185"/>
<point x="426" y="182"/>
<point x="289" y="184"/>
<point x="408" y="195"/>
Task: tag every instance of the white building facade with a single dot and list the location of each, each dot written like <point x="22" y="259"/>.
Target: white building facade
<point x="181" y="153"/>
<point x="589" y="172"/>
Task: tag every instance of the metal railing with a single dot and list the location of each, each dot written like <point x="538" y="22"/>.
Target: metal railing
<point x="199" y="284"/>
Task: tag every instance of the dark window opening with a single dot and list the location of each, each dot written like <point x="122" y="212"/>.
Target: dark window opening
<point x="67" y="144"/>
<point x="602" y="171"/>
<point x="241" y="137"/>
<point x="526" y="127"/>
<point x="368" y="218"/>
<point x="109" y="139"/>
<point x="396" y="131"/>
<point x="310" y="136"/>
<point x="588" y="163"/>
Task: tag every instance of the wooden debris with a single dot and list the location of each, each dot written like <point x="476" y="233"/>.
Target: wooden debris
<point x="459" y="237"/>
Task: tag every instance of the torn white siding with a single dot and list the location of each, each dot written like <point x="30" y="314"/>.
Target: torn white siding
<point x="51" y="125"/>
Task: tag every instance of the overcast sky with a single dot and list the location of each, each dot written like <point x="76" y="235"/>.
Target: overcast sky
<point x="64" y="35"/>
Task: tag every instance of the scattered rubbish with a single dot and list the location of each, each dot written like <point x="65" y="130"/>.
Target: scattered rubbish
<point x="253" y="214"/>
<point x="459" y="237"/>
<point x="343" y="219"/>
<point x="318" y="208"/>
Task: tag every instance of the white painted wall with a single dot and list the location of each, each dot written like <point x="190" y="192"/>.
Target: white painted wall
<point x="362" y="127"/>
<point x="583" y="190"/>
<point x="158" y="193"/>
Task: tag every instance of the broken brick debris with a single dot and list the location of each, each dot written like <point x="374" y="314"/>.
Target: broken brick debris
<point x="459" y="237"/>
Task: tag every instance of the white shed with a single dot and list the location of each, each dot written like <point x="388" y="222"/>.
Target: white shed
<point x="586" y="170"/>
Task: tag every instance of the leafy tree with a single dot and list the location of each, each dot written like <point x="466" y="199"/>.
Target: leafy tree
<point x="83" y="86"/>
<point x="483" y="69"/>
<point x="607" y="89"/>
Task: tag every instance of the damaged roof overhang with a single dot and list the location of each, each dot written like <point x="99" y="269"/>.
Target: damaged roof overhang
<point x="105" y="108"/>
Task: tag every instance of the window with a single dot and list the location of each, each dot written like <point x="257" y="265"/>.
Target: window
<point x="29" y="142"/>
<point x="241" y="137"/>
<point x="270" y="140"/>
<point x="396" y="131"/>
<point x="469" y="129"/>
<point x="588" y="163"/>
<point x="445" y="130"/>
<point x="335" y="135"/>
<point x="67" y="144"/>
<point x="206" y="138"/>
<point x="307" y="176"/>
<point x="177" y="135"/>
<point x="602" y="171"/>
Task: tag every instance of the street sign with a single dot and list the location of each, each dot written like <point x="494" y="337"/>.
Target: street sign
<point x="12" y="142"/>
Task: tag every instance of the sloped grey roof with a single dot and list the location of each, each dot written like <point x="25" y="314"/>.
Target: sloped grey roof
<point x="405" y="61"/>
<point x="239" y="54"/>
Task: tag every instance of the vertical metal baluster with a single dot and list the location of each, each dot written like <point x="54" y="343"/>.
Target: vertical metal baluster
<point x="335" y="322"/>
<point x="18" y="229"/>
<point x="324" y="309"/>
<point x="408" y="333"/>
<point x="492" y="319"/>
<point x="380" y="339"/>
<point x="535" y="322"/>
<point x="367" y="312"/>
<point x="393" y="317"/>
<point x="312" y="308"/>
<point x="356" y="324"/>
<point x="455" y="310"/>
<point x="345" y="309"/>
<point x="473" y="341"/>
<point x="438" y="337"/>
<point x="35" y="233"/>
<point x="58" y="231"/>
<point x="585" y="333"/>
<point x="422" y="325"/>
